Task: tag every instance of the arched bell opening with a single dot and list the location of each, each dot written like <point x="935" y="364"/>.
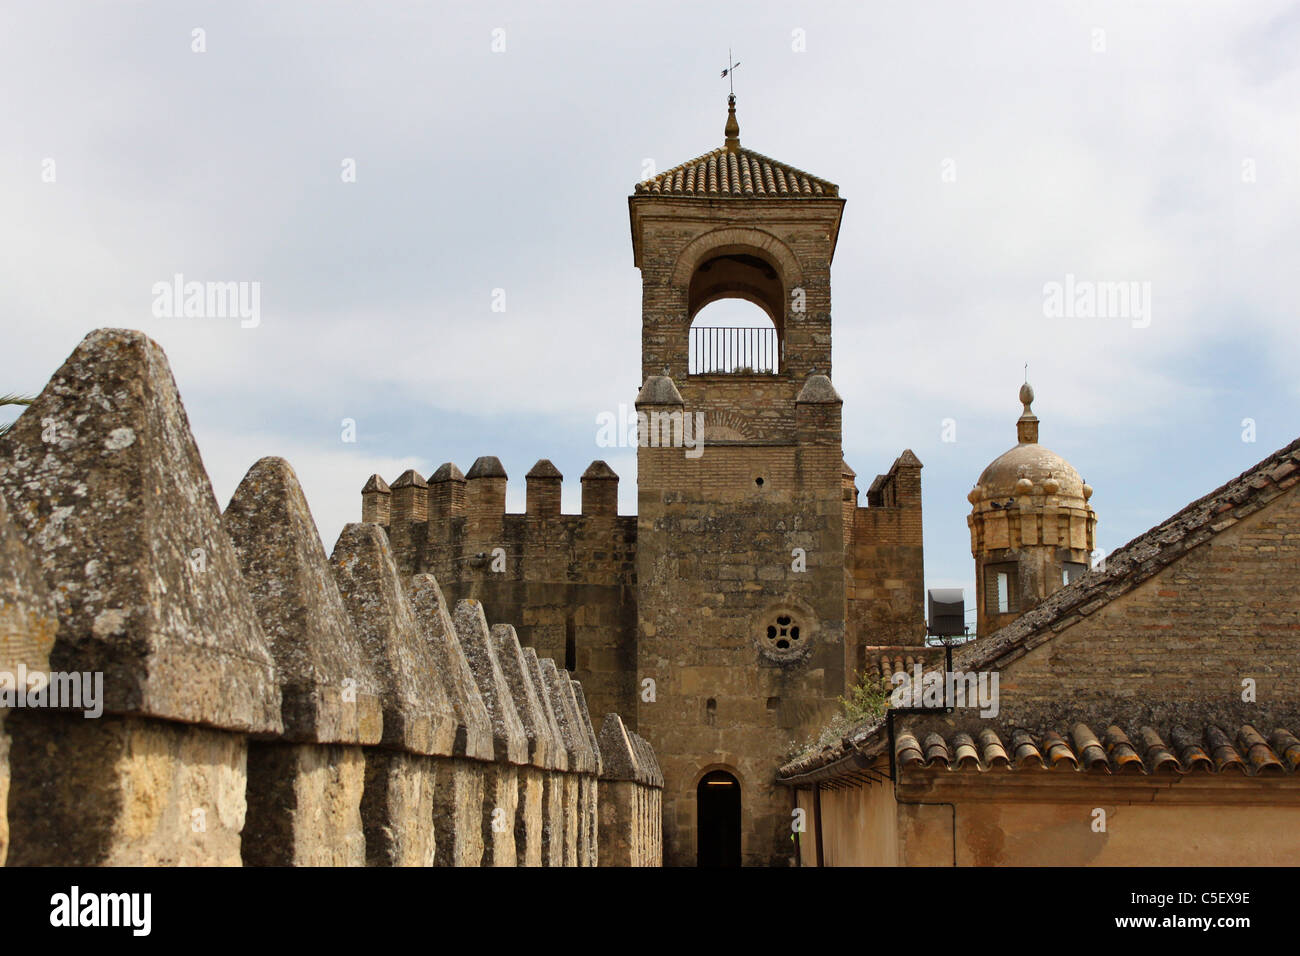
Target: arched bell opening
<point x="736" y="301"/>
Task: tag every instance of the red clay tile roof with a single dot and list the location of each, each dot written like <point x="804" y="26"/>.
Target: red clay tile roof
<point x="882" y="662"/>
<point x="1180" y="751"/>
<point x="744" y="173"/>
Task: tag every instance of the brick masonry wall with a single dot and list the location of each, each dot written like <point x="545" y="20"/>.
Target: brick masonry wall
<point x="564" y="578"/>
<point x="1182" y="640"/>
<point x="675" y="235"/>
<point x="885" y="571"/>
<point x="715" y="563"/>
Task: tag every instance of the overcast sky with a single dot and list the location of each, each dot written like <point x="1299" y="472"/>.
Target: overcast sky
<point x="985" y="150"/>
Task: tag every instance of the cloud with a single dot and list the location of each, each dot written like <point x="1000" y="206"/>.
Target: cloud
<point x="479" y="171"/>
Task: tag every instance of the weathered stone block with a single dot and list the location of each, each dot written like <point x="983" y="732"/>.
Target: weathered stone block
<point x="474" y="724"/>
<point x="510" y="743"/>
<point x="564" y="705"/>
<point x="458" y="812"/>
<point x="534" y="667"/>
<point x="304" y="805"/>
<point x="330" y="694"/>
<point x="530" y="822"/>
<point x="418" y="717"/>
<point x="28" y="620"/>
<point x="123" y="791"/>
<point x="543" y="742"/>
<point x="397" y="808"/>
<point x="500" y="813"/>
<point x="102" y="475"/>
<point x="553" y="819"/>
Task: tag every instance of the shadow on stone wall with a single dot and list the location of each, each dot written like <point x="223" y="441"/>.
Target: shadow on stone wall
<point x="263" y="703"/>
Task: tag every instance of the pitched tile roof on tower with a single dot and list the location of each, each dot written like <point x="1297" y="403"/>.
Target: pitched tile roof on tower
<point x="741" y="173"/>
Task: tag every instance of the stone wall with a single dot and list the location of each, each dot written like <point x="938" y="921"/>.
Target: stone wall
<point x="885" y="569"/>
<point x="733" y="545"/>
<point x="567" y="581"/>
<point x="262" y="703"/>
<point x="631" y="798"/>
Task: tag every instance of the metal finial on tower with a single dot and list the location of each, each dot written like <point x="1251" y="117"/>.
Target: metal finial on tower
<point x="732" y="130"/>
<point x="732" y="66"/>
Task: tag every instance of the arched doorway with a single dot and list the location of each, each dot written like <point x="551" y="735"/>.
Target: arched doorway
<point x="717" y="801"/>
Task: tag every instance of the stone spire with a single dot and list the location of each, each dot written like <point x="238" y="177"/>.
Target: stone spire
<point x="732" y="129"/>
<point x="1027" y="424"/>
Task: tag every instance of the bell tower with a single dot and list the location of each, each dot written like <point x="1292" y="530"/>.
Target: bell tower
<point x="741" y="524"/>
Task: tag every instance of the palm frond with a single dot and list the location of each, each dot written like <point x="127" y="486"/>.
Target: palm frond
<point x="13" y="400"/>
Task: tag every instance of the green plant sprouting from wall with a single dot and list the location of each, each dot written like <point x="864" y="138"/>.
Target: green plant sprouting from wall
<point x="865" y="702"/>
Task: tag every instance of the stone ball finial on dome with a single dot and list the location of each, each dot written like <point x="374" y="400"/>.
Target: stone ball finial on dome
<point x="1027" y="424"/>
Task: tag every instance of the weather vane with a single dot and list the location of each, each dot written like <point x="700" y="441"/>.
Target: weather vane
<point x="726" y="74"/>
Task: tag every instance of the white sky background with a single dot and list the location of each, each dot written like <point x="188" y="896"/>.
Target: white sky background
<point x="479" y="170"/>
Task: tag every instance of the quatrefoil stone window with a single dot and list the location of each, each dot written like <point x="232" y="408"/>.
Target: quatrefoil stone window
<point x="783" y="637"/>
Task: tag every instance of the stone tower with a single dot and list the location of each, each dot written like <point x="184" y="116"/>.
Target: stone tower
<point x="1031" y="527"/>
<point x="751" y="589"/>
<point x="741" y="572"/>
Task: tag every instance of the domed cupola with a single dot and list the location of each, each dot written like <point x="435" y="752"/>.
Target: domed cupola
<point x="1032" y="528"/>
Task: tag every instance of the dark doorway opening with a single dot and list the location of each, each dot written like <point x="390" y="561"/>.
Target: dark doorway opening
<point x="718" y="825"/>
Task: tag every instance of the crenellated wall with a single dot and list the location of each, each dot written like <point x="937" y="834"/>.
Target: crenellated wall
<point x="568" y="582"/>
<point x="264" y="703"/>
<point x="885" y="570"/>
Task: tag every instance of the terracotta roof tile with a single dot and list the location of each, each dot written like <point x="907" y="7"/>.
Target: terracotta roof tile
<point x="742" y="174"/>
<point x="1284" y="744"/>
<point x="1121" y="752"/>
<point x="1191" y="756"/>
<point x="1155" y="754"/>
<point x="1208" y="750"/>
<point x="964" y="753"/>
<point x="991" y="749"/>
<point x="1057" y="752"/>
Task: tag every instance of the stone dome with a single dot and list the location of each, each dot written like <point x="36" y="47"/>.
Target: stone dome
<point x="1028" y="468"/>
<point x="1034" y="463"/>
